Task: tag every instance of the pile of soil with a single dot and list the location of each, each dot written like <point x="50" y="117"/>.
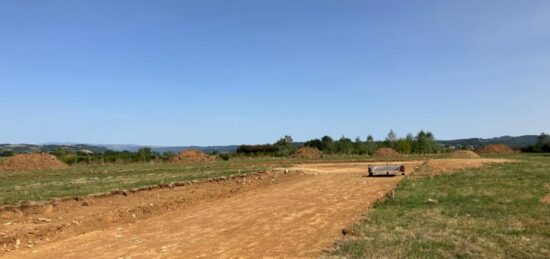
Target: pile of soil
<point x="307" y="152"/>
<point x="192" y="156"/>
<point x="464" y="154"/>
<point x="386" y="153"/>
<point x="35" y="161"/>
<point x="496" y="149"/>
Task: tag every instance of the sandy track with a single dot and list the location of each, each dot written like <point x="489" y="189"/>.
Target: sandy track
<point x="297" y="218"/>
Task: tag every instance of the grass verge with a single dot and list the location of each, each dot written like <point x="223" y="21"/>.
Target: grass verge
<point x="83" y="180"/>
<point x="491" y="212"/>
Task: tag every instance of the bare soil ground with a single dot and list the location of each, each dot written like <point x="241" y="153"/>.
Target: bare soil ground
<point x="297" y="214"/>
<point x="35" y="161"/>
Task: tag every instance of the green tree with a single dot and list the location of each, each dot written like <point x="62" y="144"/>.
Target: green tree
<point x="424" y="143"/>
<point x="327" y="144"/>
<point x="145" y="154"/>
<point x="371" y="145"/>
<point x="391" y="139"/>
<point x="284" y="145"/>
<point x="344" y="145"/>
<point x="543" y="141"/>
<point x="359" y="147"/>
<point x="169" y="155"/>
<point x="403" y="146"/>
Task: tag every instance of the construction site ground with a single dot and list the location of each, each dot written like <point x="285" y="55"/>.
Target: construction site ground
<point x="289" y="212"/>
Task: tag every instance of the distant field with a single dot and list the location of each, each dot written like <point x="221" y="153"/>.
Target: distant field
<point x="491" y="212"/>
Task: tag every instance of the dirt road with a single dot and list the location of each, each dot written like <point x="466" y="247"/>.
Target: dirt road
<point x="296" y="218"/>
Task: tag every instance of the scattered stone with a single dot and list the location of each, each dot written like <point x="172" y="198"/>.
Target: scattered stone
<point x="430" y="200"/>
<point x="44" y="219"/>
<point x="346" y="231"/>
<point x="48" y="209"/>
<point x="85" y="203"/>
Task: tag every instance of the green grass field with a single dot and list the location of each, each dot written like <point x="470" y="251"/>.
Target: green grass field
<point x="89" y="179"/>
<point x="491" y="212"/>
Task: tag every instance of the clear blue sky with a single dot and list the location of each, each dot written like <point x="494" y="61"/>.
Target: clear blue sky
<point x="230" y="72"/>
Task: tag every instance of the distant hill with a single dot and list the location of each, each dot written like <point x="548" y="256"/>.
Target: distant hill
<point x="27" y="148"/>
<point x="514" y="142"/>
<point x="162" y="149"/>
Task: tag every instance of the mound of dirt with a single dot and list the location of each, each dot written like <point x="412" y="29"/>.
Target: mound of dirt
<point x="464" y="154"/>
<point x="496" y="149"/>
<point x="192" y="156"/>
<point x="307" y="152"/>
<point x="386" y="153"/>
<point x="23" y="162"/>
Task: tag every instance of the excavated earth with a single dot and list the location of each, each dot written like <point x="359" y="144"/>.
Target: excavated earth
<point x="294" y="212"/>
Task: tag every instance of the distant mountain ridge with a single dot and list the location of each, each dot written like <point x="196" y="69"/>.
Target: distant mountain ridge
<point x="27" y="148"/>
<point x="162" y="149"/>
<point x="514" y="142"/>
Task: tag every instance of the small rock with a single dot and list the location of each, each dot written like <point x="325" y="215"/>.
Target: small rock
<point x="17" y="243"/>
<point x="85" y="203"/>
<point x="125" y="193"/>
<point x="44" y="219"/>
<point x="346" y="231"/>
<point x="430" y="200"/>
<point x="48" y="209"/>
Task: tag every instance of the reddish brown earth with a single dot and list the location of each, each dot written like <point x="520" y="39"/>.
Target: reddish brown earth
<point x="35" y="161"/>
<point x="297" y="214"/>
<point x="307" y="152"/>
<point x="464" y="154"/>
<point x="386" y="153"/>
<point x="546" y="199"/>
<point x="192" y="156"/>
<point x="496" y="149"/>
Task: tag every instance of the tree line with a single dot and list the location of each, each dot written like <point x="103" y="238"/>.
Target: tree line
<point x="422" y="143"/>
<point x="145" y="154"/>
<point x="541" y="146"/>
